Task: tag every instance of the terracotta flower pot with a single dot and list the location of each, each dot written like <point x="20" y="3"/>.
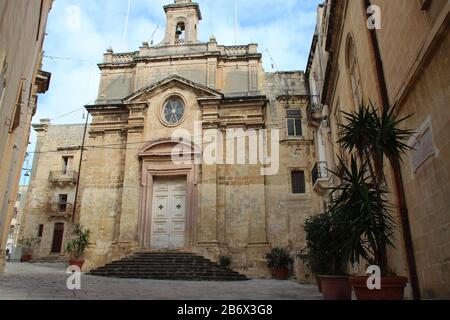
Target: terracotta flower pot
<point x="392" y="288"/>
<point x="78" y="263"/>
<point x="280" y="273"/>
<point x="335" y="287"/>
<point x="319" y="283"/>
<point x="25" y="258"/>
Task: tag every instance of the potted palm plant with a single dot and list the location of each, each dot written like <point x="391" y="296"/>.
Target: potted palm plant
<point x="77" y="245"/>
<point x="325" y="256"/>
<point x="361" y="203"/>
<point x="28" y="245"/>
<point x="278" y="260"/>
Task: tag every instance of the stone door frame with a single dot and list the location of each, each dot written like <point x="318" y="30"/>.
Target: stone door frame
<point x="159" y="165"/>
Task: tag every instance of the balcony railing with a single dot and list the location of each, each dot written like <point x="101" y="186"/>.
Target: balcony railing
<point x="63" y="177"/>
<point x="320" y="172"/>
<point x="314" y="107"/>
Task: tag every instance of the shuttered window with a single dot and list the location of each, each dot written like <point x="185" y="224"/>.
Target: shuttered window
<point x="294" y="123"/>
<point x="298" y="182"/>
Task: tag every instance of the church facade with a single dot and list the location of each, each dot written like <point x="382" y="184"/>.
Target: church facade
<point x="194" y="147"/>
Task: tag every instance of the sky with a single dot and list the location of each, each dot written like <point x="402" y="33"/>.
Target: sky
<point x="80" y="31"/>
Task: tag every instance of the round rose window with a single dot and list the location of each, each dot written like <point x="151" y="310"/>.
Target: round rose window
<point x="173" y="111"/>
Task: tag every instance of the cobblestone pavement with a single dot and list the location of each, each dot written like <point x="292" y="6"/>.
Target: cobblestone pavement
<point x="23" y="281"/>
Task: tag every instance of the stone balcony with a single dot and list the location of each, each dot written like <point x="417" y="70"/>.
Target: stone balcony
<point x="314" y="110"/>
<point x="63" y="177"/>
<point x="320" y="176"/>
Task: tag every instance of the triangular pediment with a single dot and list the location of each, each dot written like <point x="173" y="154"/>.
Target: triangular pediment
<point x="173" y="80"/>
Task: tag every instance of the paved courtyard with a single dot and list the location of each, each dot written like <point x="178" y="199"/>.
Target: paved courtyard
<point x="48" y="281"/>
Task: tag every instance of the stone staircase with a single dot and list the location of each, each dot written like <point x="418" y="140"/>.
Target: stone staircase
<point x="168" y="266"/>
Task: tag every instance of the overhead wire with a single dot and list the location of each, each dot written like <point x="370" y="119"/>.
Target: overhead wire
<point x="124" y="146"/>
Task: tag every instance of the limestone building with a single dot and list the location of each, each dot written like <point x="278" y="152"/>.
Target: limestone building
<point x="206" y="102"/>
<point x="49" y="205"/>
<point x="403" y="62"/>
<point x="22" y="31"/>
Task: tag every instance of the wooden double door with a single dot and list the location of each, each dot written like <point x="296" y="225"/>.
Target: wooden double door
<point x="168" y="229"/>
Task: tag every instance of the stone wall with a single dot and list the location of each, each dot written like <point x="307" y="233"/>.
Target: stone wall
<point x="414" y="46"/>
<point x="22" y="26"/>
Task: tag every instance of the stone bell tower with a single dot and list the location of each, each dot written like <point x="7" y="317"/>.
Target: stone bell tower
<point x="183" y="18"/>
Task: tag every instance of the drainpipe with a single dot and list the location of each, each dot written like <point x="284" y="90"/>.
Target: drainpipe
<point x="398" y="179"/>
<point x="79" y="169"/>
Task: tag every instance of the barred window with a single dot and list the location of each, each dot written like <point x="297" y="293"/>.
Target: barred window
<point x="298" y="182"/>
<point x="294" y="123"/>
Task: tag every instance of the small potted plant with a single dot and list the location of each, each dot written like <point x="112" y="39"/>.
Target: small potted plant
<point x="225" y="261"/>
<point x="77" y="245"/>
<point x="325" y="256"/>
<point x="28" y="245"/>
<point x="278" y="260"/>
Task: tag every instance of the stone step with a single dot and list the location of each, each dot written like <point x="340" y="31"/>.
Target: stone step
<point x="185" y="276"/>
<point x="163" y="263"/>
<point x="174" y="278"/>
<point x="161" y="260"/>
<point x="169" y="272"/>
<point x="168" y="266"/>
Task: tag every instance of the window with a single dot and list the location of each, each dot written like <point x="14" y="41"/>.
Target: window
<point x="432" y="9"/>
<point x="298" y="182"/>
<point x="39" y="21"/>
<point x="2" y="75"/>
<point x="173" y="111"/>
<point x="67" y="163"/>
<point x="11" y="233"/>
<point x="294" y="123"/>
<point x="41" y="230"/>
<point x="353" y="71"/>
<point x="180" y="33"/>
<point x="17" y="109"/>
<point x="339" y="123"/>
<point x="62" y="203"/>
